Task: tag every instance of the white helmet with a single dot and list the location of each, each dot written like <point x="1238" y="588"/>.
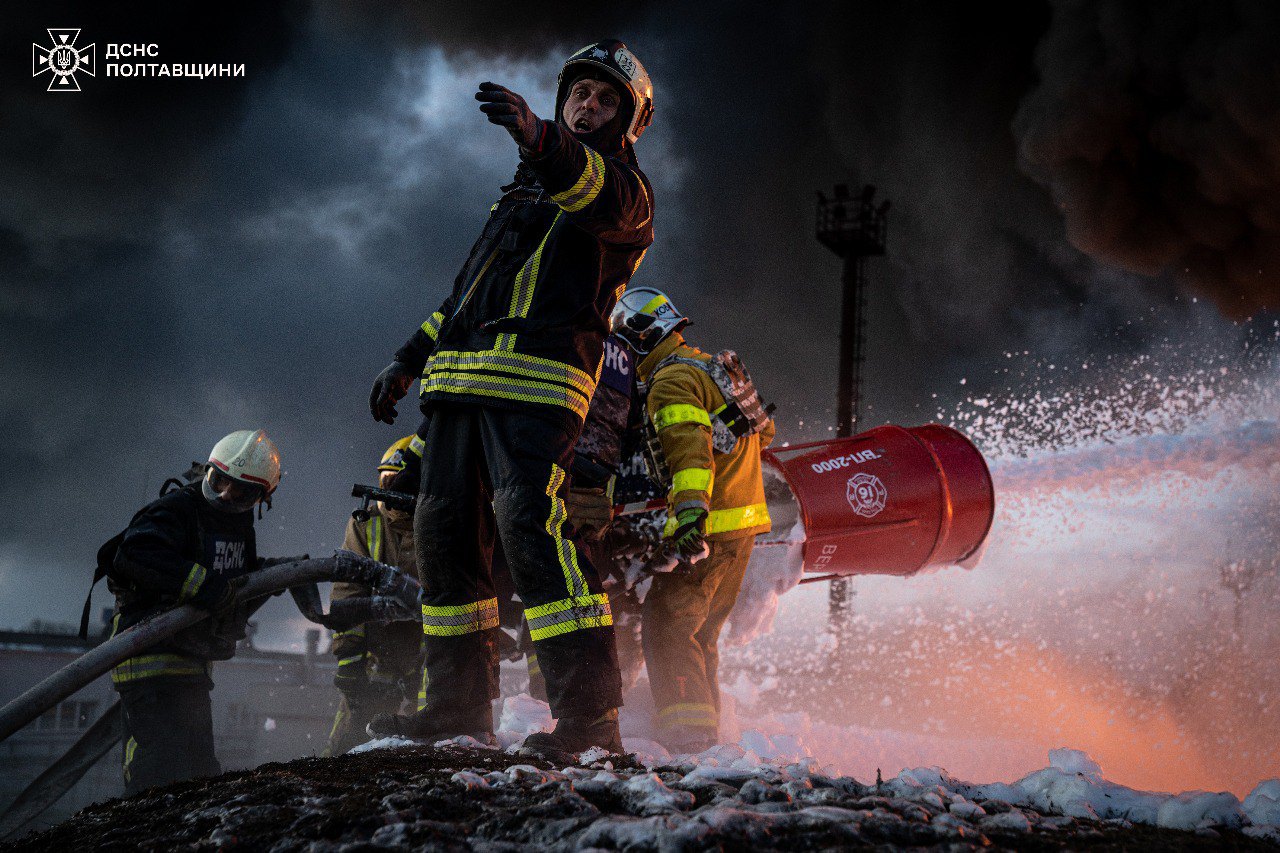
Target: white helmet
<point x="621" y="65"/>
<point x="643" y="317"/>
<point x="246" y="456"/>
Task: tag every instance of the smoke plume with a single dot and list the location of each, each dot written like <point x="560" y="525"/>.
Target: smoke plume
<point x="1155" y="128"/>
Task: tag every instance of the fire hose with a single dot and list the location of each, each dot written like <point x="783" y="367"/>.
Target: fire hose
<point x="395" y="593"/>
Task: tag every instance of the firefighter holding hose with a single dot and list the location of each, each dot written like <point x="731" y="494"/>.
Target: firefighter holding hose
<point x="379" y="664"/>
<point x="509" y="365"/>
<point x="195" y="544"/>
<point x="705" y="426"/>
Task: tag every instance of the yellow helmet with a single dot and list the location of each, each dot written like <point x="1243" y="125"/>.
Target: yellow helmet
<point x="394" y="459"/>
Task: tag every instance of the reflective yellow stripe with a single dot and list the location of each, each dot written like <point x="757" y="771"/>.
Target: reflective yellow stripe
<point x="691" y="480"/>
<point x="588" y="186"/>
<point x="454" y="620"/>
<point x="432" y="325"/>
<point x="511" y="376"/>
<point x="566" y="553"/>
<point x="422" y="690"/>
<point x="569" y="614"/>
<point x="191" y="585"/>
<point x="516" y="363"/>
<point x="357" y="631"/>
<point x="689" y="715"/>
<point x="534" y="667"/>
<point x="728" y="520"/>
<point x="153" y="666"/>
<point x="506" y="389"/>
<point x="687" y="707"/>
<point x="333" y="732"/>
<point x="653" y="304"/>
<point x="522" y="292"/>
<point x="130" y="750"/>
<point x="690" y="722"/>
<point x="354" y="659"/>
<point x="373" y="537"/>
<point x="417" y="445"/>
<point x="680" y="413"/>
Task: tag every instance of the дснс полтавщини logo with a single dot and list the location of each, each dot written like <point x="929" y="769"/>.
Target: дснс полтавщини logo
<point x="64" y="60"/>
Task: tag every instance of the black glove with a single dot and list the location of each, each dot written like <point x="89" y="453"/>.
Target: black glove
<point x="504" y="107"/>
<point x="392" y="384"/>
<point x="352" y="677"/>
<point x="687" y="536"/>
<point x="217" y="595"/>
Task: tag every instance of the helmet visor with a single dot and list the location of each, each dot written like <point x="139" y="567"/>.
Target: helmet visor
<point x="230" y="494"/>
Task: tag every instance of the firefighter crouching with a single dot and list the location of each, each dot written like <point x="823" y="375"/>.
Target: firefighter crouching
<point x="195" y="544"/>
<point x="380" y="663"/>
<point x="508" y="367"/>
<point x="707" y="447"/>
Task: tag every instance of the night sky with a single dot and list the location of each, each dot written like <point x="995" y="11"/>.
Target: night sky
<point x="183" y="258"/>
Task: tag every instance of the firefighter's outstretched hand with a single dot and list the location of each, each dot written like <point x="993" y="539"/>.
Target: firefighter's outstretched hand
<point x="391" y="385"/>
<point x="504" y="107"/>
<point x="688" y="537"/>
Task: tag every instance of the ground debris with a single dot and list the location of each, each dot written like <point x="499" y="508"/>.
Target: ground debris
<point x="454" y="798"/>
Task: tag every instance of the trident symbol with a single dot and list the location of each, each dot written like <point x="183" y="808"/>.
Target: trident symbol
<point x="63" y="61"/>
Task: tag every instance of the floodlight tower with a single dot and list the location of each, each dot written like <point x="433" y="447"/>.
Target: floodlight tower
<point x="853" y="228"/>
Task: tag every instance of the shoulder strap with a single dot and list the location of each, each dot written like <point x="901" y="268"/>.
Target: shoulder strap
<point x="106" y="559"/>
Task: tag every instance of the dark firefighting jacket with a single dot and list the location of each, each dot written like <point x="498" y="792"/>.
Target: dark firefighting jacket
<point x="598" y="454"/>
<point x="525" y="324"/>
<point x="179" y="549"/>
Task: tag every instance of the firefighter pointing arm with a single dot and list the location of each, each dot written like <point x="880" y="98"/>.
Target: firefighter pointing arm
<point x="706" y="428"/>
<point x="509" y="365"/>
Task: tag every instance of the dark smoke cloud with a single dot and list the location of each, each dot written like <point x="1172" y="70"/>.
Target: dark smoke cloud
<point x="1154" y="127"/>
<point x="180" y="259"/>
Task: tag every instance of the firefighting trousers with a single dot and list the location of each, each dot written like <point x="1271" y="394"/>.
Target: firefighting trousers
<point x="682" y="618"/>
<point x="168" y="732"/>
<point x="626" y="631"/>
<point x="519" y="461"/>
<point x="590" y="512"/>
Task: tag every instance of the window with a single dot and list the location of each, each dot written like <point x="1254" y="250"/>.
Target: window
<point x="69" y="715"/>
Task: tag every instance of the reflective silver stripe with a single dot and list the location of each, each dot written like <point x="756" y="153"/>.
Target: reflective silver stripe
<point x="150" y="666"/>
<point x="534" y="367"/>
<point x="570" y="614"/>
<point x="432" y="326"/>
<point x="456" y="619"/>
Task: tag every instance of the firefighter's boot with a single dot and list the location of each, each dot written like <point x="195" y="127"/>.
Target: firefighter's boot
<point x="573" y="735"/>
<point x="475" y="722"/>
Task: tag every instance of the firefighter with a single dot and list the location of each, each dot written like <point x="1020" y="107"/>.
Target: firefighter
<point x="194" y="544"/>
<point x="715" y="505"/>
<point x="597" y="458"/>
<point x="508" y="367"/>
<point x="379" y="664"/>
